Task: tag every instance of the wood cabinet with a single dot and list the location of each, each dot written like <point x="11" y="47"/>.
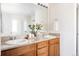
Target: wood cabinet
<point x="42" y="48"/>
<point x="24" y="50"/>
<point x="54" y="47"/>
<point x="45" y="48"/>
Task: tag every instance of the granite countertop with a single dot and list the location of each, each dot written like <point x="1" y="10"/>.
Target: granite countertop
<point x="10" y="46"/>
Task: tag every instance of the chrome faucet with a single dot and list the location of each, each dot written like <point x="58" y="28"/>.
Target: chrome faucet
<point x="13" y="37"/>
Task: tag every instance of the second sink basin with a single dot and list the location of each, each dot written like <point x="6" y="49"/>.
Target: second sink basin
<point x="17" y="41"/>
<point x="49" y="36"/>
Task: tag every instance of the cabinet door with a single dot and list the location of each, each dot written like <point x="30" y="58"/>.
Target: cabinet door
<point x="54" y="50"/>
<point x="19" y="50"/>
<point x="31" y="53"/>
<point x="51" y="50"/>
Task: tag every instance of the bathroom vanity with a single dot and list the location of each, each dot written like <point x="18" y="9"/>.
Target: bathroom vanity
<point x="42" y="47"/>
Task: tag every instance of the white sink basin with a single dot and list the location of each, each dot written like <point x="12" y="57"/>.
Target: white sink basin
<point x="17" y="41"/>
<point x="49" y="36"/>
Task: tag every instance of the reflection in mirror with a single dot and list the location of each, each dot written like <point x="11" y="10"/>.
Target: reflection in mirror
<point x="17" y="16"/>
<point x="14" y="27"/>
<point x="41" y="17"/>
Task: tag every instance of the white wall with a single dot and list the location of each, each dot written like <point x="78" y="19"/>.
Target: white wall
<point x="65" y="13"/>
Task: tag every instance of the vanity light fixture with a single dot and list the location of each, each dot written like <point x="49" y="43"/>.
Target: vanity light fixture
<point x="42" y="5"/>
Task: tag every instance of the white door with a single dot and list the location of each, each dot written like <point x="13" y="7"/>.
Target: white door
<point x="78" y="32"/>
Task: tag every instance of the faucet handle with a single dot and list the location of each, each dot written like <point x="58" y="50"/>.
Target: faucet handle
<point x="14" y="37"/>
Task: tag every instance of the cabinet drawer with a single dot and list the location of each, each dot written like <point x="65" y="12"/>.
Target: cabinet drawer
<point x="18" y="51"/>
<point x="42" y="44"/>
<point x="42" y="51"/>
<point x="54" y="41"/>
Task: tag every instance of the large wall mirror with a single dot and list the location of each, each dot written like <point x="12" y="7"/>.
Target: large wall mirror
<point x="15" y="17"/>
